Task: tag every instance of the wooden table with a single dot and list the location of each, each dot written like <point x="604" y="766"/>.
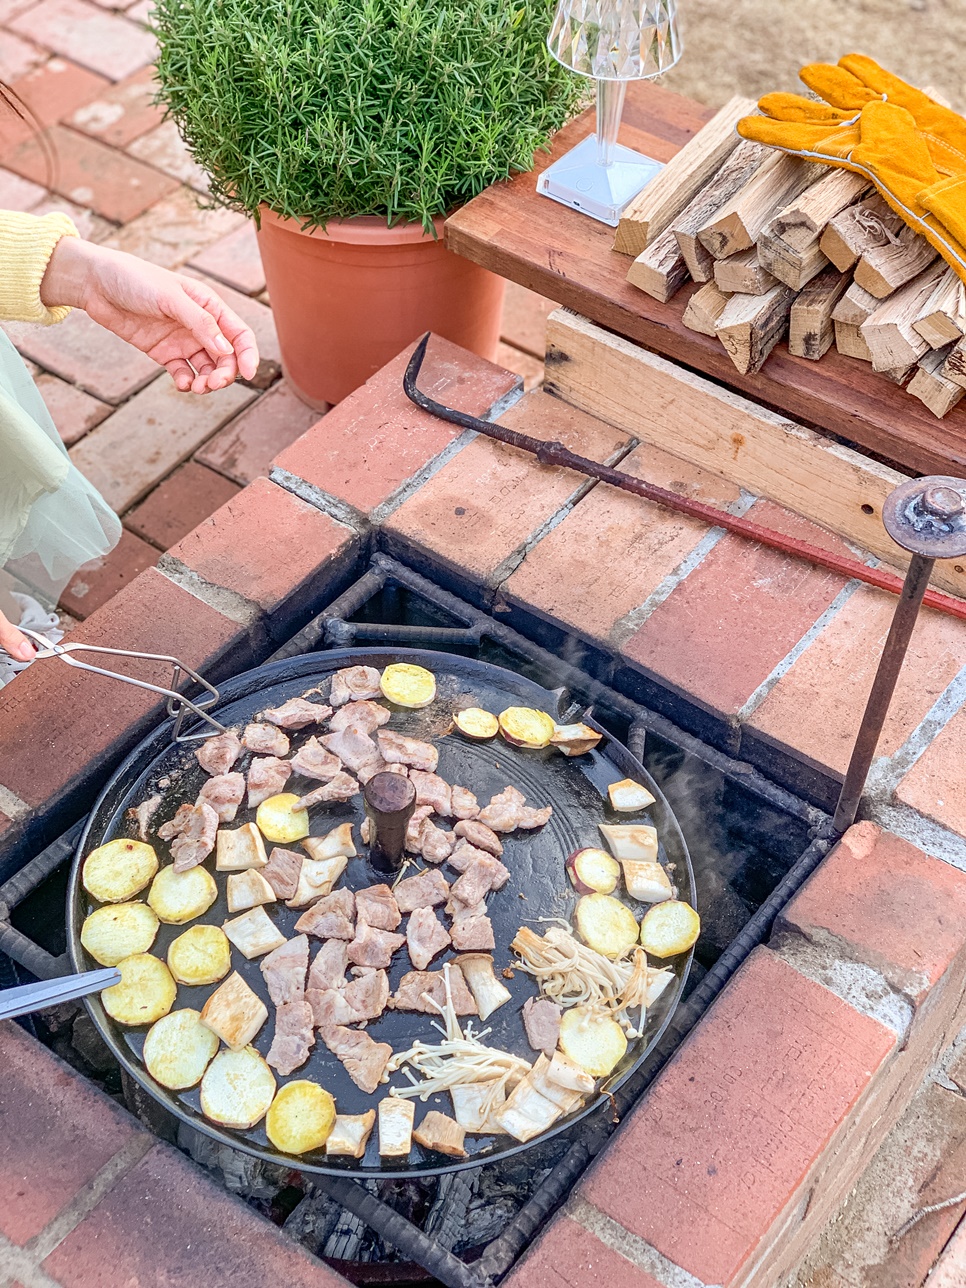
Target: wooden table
<point x="569" y="258"/>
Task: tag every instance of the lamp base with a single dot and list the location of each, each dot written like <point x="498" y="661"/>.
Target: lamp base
<point x="578" y="180"/>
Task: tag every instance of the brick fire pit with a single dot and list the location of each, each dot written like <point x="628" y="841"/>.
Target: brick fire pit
<point x="746" y="1144"/>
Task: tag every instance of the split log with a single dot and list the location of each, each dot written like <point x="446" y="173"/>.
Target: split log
<point x="793" y="267"/>
<point x="901" y="375"/>
<point x="750" y="326"/>
<point x="779" y="179"/>
<point x="855" y="306"/>
<point x="857" y="229"/>
<point x="933" y="389"/>
<point x="883" y="269"/>
<point x="654" y="209"/>
<point x="943" y="320"/>
<point x="789" y="243"/>
<point x="736" y="171"/>
<point x="954" y="368"/>
<point x="810" y="328"/>
<point x="892" y="339"/>
<point x="704" y="308"/>
<point x="660" y="271"/>
<point x="742" y="274"/>
<point x="849" y="341"/>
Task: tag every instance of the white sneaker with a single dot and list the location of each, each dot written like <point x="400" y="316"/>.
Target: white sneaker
<point x="34" y="617"/>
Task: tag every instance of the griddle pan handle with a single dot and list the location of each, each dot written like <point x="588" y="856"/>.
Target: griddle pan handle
<point x="27" y="998"/>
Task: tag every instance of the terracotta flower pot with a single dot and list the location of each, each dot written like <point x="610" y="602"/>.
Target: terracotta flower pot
<point x="349" y="299"/>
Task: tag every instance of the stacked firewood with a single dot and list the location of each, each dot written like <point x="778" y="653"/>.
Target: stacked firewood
<point x="788" y="249"/>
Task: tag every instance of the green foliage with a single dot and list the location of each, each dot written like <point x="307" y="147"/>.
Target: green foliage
<point x="326" y="109"/>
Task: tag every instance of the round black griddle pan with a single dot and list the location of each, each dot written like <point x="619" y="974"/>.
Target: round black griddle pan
<point x="538" y="887"/>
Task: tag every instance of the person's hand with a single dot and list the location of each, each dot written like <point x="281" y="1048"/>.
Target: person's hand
<point x="20" y="648"/>
<point x="178" y="321"/>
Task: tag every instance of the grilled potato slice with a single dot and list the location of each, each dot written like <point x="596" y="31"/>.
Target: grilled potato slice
<point x="178" y="897"/>
<point x="279" y="822"/>
<point x="145" y="993"/>
<point x="606" y="925"/>
<point x="115" y="872"/>
<point x="119" y="930"/>
<point x="239" y="848"/>
<point x="237" y="1089"/>
<point x="202" y="955"/>
<point x="247" y="890"/>
<point x="234" y="1012"/>
<point x="301" y="1117"/>
<point x="178" y="1049"/>
<point x="254" y="933"/>
<point x="475" y="723"/>
<point x="669" y="928"/>
<point x="526" y="727"/>
<point x="592" y="1040"/>
<point x="408" y="686"/>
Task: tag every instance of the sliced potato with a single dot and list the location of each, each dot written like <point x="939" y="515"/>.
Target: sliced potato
<point x="648" y="882"/>
<point x="526" y="727"/>
<point x="575" y="739"/>
<point x="279" y="822"/>
<point x="178" y="1049"/>
<point x="332" y="845"/>
<point x="396" y="1117"/>
<point x="316" y="878"/>
<point x="254" y="933"/>
<point x="669" y="928"/>
<point x="237" y="1089"/>
<point x="234" y="1012"/>
<point x="350" y="1134"/>
<point x="178" y="897"/>
<point x="628" y="797"/>
<point x="605" y="924"/>
<point x="119" y="930"/>
<point x="115" y="872"/>
<point x="145" y="993"/>
<point x="241" y="847"/>
<point x="592" y="1040"/>
<point x="593" y="871"/>
<point x="202" y="955"/>
<point x="408" y="686"/>
<point x="301" y="1117"/>
<point x="248" y="889"/>
<point x="636" y="841"/>
<point x="476" y="723"/>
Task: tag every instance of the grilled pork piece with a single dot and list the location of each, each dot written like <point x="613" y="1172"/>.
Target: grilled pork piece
<point x="365" y="1060"/>
<point x="217" y="755"/>
<point x="192" y="834"/>
<point x="464" y="854"/>
<point x="379" y="766"/>
<point x="541" y="1019"/>
<point x="296" y="714"/>
<point x="397" y="749"/>
<point x="330" y="1007"/>
<point x="482" y="876"/>
<point x="284" y="969"/>
<point x="354" y="748"/>
<point x="340" y="788"/>
<point x="435" y="845"/>
<point x="367" y="716"/>
<point x="354" y="684"/>
<point x="415" y="826"/>
<point x="329" y="966"/>
<point x="143" y="814"/>
<point x="426" y="936"/>
<point x="416" y="985"/>
<point x="330" y="918"/>
<point x="442" y="1134"/>
<point x="432" y="790"/>
<point x="472" y="934"/>
<point x="267" y="776"/>
<point x="508" y="810"/>
<point x="478" y="834"/>
<point x="372" y="947"/>
<point x="368" y="993"/>
<point x="465" y="805"/>
<point x="313" y="761"/>
<point x="265" y="740"/>
<point x="425" y="890"/>
<point x="460" y="911"/>
<point x="376" y="907"/>
<point x="294" y="1037"/>
<point x="282" y="871"/>
<point x="224" y="794"/>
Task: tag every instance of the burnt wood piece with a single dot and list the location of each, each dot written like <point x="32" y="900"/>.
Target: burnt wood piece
<point x="567" y="257"/>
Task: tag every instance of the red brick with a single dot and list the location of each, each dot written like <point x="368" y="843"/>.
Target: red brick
<point x="104" y="42"/>
<point x="244" y="449"/>
<point x="168" y="1224"/>
<point x="490" y="499"/>
<point x="724" y="1140"/>
<point x="375" y="440"/>
<point x="267" y="545"/>
<point x="234" y="260"/>
<point x="10" y="8"/>
<point x="569" y="1256"/>
<point x="164" y="148"/>
<point x="950" y="1270"/>
<point x="724" y="629"/>
<point x="525" y="319"/>
<point x="79" y="722"/>
<point x="180" y="503"/>
<point x="97" y="582"/>
<point x="56" y="1133"/>
<point x="174" y="229"/>
<point x="613" y="550"/>
<point x="51" y="91"/>
<point x="17" y="193"/>
<point x="17" y="58"/>
<point x="898" y="909"/>
<point x="90" y="226"/>
<point x="934" y="785"/>
<point x="73" y="411"/>
<point x="86" y="355"/>
<point x="123" y="112"/>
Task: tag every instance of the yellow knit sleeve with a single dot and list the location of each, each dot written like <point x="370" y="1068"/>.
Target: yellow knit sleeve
<point x="26" y="245"/>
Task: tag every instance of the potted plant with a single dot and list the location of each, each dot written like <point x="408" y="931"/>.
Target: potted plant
<point x="348" y="129"/>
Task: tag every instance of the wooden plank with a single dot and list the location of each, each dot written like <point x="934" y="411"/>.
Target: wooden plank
<point x="810" y="328"/>
<point x="883" y="269"/>
<point x="742" y="274"/>
<point x="749" y="326"/>
<point x="653" y="210"/>
<point x="889" y="333"/>
<point x="933" y="389"/>
<point x="943" y="320"/>
<point x="737" y="170"/>
<point x="513" y="231"/>
<point x="704" y="308"/>
<point x="737" y="224"/>
<point x="674" y="409"/>
<point x="857" y="229"/>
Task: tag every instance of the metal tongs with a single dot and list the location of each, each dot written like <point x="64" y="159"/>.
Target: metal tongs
<point x="27" y="998"/>
<point x="178" y="705"/>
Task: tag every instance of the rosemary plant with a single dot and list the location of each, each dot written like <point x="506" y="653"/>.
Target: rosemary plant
<point x="326" y="109"/>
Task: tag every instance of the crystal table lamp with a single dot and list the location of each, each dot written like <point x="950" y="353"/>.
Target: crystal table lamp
<point x="614" y="41"/>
